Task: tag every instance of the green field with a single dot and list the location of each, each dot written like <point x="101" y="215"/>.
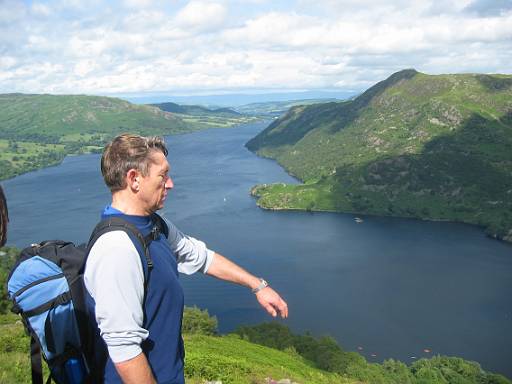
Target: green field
<point x="216" y="121"/>
<point x="18" y="157"/>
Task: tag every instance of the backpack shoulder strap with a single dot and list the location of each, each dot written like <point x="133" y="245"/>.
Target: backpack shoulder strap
<point x="159" y="226"/>
<point x="116" y="223"/>
<point x="35" y="361"/>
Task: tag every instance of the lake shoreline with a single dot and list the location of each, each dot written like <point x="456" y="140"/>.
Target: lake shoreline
<point x="507" y="239"/>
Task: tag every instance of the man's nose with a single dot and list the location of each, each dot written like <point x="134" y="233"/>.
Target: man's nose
<point x="169" y="183"/>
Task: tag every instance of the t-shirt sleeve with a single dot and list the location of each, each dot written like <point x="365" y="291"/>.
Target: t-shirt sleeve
<point x="192" y="254"/>
<point x="114" y="277"/>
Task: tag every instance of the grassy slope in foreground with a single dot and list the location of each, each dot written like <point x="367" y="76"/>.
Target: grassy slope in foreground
<point x="414" y="145"/>
<point x="40" y="130"/>
<point x="228" y="358"/>
<point x="233" y="360"/>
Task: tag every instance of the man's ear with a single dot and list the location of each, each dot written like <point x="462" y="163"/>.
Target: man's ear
<point x="132" y="179"/>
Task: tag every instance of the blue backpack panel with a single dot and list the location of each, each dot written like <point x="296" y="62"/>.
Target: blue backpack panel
<point x="47" y="289"/>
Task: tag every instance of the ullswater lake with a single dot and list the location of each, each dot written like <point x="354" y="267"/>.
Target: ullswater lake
<point x="386" y="287"/>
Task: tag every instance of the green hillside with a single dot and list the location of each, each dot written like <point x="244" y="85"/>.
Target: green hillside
<point x="40" y="130"/>
<point x="58" y="119"/>
<point x="232" y="359"/>
<point x="228" y="359"/>
<point x="414" y="145"/>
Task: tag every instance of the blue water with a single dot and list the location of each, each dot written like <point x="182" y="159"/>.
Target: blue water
<point x="392" y="287"/>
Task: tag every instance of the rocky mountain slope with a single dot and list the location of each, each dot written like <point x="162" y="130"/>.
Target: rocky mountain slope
<point x="414" y="145"/>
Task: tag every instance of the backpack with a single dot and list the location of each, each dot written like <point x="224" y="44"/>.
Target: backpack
<point x="47" y="289"/>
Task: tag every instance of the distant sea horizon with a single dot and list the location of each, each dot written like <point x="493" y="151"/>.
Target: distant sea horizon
<point x="237" y="99"/>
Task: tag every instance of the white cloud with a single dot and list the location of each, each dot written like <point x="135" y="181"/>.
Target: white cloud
<point x="7" y="62"/>
<point x="40" y="9"/>
<point x="84" y="67"/>
<point x="138" y="3"/>
<point x="141" y="46"/>
<point x="201" y="15"/>
<point x="143" y="21"/>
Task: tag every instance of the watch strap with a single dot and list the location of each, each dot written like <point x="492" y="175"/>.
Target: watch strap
<point x="263" y="284"/>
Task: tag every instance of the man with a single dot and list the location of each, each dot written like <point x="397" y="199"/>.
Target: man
<point x="141" y="325"/>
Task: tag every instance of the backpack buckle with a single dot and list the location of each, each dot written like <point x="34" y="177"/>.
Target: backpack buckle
<point x="155" y="232"/>
<point x="15" y="308"/>
<point x="63" y="298"/>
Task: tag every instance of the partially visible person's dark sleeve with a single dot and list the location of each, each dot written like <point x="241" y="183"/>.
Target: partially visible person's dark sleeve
<point x="4" y="218"/>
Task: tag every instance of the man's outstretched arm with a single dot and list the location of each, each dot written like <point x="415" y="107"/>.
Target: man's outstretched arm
<point x="224" y="269"/>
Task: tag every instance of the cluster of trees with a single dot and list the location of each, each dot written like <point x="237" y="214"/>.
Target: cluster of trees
<point x="7" y="170"/>
<point x="27" y="163"/>
<point x="326" y="354"/>
<point x="198" y="321"/>
<point x="42" y="138"/>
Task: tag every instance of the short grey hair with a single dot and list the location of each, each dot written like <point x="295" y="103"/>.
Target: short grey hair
<point x="127" y="152"/>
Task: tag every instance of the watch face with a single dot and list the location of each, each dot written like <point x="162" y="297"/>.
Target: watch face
<point x="262" y="285"/>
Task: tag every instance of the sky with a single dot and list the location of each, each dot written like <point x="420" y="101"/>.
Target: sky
<point x="141" y="47"/>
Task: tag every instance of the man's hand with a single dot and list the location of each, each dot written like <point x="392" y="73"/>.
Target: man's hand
<point x="272" y="302"/>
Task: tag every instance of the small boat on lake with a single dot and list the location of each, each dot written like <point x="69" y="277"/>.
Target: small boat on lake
<point x="358" y="220"/>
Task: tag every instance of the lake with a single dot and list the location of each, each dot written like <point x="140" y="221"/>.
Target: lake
<point x="387" y="287"/>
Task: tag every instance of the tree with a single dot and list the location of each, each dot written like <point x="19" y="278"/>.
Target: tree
<point x="199" y="321"/>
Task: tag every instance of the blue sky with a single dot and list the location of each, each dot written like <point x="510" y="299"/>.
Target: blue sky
<point x="138" y="47"/>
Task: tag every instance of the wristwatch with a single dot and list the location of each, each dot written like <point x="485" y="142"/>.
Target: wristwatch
<point x="263" y="284"/>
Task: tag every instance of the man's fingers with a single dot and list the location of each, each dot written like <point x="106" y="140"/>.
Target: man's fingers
<point x="270" y="309"/>
<point x="281" y="307"/>
<point x="284" y="309"/>
<point x="272" y="302"/>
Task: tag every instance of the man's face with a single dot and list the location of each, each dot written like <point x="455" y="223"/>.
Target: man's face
<point x="154" y="186"/>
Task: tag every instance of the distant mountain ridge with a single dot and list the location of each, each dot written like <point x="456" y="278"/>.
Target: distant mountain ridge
<point x="194" y="109"/>
<point x="277" y="108"/>
<point x="235" y="100"/>
<point x="414" y="145"/>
